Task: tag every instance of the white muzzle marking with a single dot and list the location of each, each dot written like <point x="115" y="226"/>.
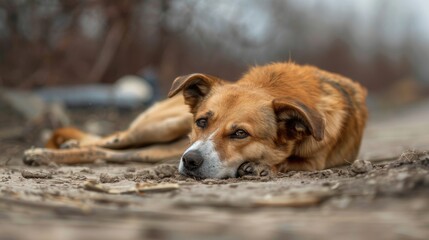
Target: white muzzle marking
<point x="212" y="166"/>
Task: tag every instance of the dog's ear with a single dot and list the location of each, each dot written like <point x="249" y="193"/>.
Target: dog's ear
<point x="297" y="120"/>
<point x="195" y="87"/>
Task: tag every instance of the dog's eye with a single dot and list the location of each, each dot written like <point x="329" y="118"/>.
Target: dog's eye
<point x="240" y="134"/>
<point x="201" y="122"/>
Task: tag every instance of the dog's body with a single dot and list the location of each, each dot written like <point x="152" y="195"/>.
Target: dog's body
<point x="277" y="117"/>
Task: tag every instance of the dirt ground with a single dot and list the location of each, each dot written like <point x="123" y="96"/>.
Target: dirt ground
<point x="383" y="196"/>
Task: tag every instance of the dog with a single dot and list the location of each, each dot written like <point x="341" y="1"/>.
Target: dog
<point x="275" y="118"/>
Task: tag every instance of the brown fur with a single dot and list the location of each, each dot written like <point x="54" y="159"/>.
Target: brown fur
<point x="298" y="118"/>
<point x="330" y="112"/>
<point x="62" y="135"/>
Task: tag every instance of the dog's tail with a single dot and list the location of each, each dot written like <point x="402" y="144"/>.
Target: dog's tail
<point x="62" y="135"/>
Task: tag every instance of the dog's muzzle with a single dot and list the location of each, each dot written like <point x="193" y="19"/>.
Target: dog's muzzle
<point x="201" y="160"/>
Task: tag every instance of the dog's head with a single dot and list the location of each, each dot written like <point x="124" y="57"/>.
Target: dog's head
<point x="235" y="123"/>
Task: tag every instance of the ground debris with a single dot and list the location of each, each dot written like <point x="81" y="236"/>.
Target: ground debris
<point x="162" y="187"/>
<point x="300" y="197"/>
<point x="387" y="202"/>
<point x="327" y="173"/>
<point x="129" y="189"/>
<point x="157" y="173"/>
<point x="106" y="178"/>
<point x="36" y="174"/>
<point x="257" y="178"/>
<point x="361" y="166"/>
<point x="87" y="170"/>
<point x="410" y="155"/>
<point x="131" y="169"/>
<point x="95" y="186"/>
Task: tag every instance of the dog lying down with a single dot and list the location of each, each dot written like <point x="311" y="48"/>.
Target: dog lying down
<point x="276" y="118"/>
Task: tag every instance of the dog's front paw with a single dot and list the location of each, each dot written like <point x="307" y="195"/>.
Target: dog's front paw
<point x="35" y="157"/>
<point x="255" y="169"/>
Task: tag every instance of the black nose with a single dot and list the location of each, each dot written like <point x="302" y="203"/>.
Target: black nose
<point x="192" y="160"/>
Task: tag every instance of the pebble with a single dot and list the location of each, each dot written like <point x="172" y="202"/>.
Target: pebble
<point x="361" y="166"/>
<point x="106" y="178"/>
<point x="36" y="174"/>
<point x="129" y="176"/>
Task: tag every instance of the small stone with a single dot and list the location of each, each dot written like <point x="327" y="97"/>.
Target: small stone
<point x="131" y="169"/>
<point x="129" y="176"/>
<point x="410" y="156"/>
<point x="106" y="178"/>
<point x="326" y="184"/>
<point x="361" y="166"/>
<point x="36" y="174"/>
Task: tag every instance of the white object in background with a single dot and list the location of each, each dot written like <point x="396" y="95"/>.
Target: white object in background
<point x="128" y="92"/>
<point x="132" y="90"/>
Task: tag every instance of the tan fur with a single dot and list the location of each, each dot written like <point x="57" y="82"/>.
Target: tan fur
<point x="336" y="102"/>
<point x="298" y="118"/>
<point x="62" y="135"/>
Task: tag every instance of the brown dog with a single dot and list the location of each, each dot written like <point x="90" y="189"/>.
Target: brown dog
<point x="277" y="117"/>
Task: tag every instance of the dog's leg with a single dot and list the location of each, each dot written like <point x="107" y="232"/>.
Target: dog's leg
<point x="151" y="154"/>
<point x="164" y="122"/>
<point x="162" y="128"/>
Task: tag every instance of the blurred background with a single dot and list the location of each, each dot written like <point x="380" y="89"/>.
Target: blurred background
<point x="92" y="53"/>
<point x="97" y="64"/>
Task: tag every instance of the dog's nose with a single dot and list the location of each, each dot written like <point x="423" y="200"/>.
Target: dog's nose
<point x="192" y="160"/>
